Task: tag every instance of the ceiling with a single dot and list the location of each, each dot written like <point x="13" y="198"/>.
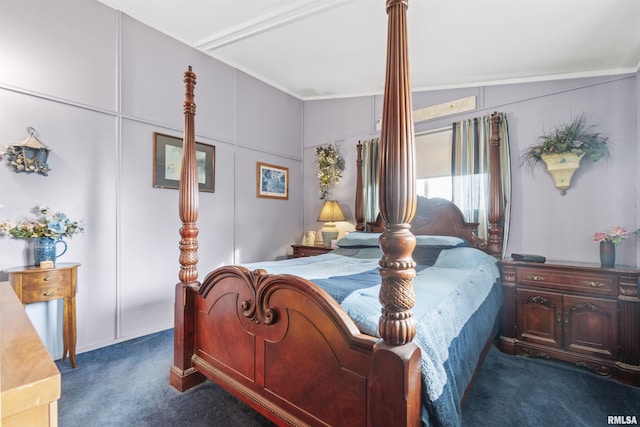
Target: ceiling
<point x="315" y="49"/>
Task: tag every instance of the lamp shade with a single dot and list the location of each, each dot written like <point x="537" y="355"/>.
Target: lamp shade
<point x="331" y="212"/>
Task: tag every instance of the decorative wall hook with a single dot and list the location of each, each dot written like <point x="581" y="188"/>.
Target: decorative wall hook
<point x="29" y="155"/>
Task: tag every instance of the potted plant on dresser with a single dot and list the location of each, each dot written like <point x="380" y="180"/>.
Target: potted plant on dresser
<point x="563" y="148"/>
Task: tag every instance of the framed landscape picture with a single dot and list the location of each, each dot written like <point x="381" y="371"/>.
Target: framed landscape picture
<point x="167" y="163"/>
<point x="272" y="181"/>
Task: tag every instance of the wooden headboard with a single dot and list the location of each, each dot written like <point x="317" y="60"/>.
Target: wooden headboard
<point x="441" y="217"/>
<point x="438" y="217"/>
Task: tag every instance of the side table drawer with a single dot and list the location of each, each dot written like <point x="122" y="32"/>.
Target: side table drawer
<point x="305" y="252"/>
<point x="300" y="251"/>
<point x="45" y="286"/>
<point x="595" y="283"/>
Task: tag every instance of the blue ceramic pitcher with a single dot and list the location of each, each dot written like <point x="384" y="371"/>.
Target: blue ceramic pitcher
<point x="45" y="249"/>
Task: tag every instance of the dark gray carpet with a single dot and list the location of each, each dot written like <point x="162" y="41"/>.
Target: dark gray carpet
<point x="127" y="384"/>
<point x="517" y="391"/>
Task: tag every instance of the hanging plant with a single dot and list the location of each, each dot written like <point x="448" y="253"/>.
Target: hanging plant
<point x="573" y="137"/>
<point x="563" y="148"/>
<point x="330" y="167"/>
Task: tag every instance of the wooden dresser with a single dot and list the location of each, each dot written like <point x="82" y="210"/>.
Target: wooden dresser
<point x="29" y="380"/>
<point x="580" y="313"/>
<point x="309" y="250"/>
<point x="36" y="284"/>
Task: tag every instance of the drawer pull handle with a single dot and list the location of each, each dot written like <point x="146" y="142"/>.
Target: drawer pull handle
<point x="47" y="279"/>
<point x="48" y="294"/>
<point x="536" y="278"/>
<point x="594" y="284"/>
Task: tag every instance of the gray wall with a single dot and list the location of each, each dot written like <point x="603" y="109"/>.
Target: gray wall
<point x="95" y="85"/>
<point x="543" y="221"/>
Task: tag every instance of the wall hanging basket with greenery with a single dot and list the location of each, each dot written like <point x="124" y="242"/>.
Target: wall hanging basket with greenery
<point x="563" y="148"/>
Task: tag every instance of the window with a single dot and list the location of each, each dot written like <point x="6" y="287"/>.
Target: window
<point x="433" y="164"/>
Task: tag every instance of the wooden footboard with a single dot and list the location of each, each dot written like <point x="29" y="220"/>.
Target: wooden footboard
<point x="285" y="347"/>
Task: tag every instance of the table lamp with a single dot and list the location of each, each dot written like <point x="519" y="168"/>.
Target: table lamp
<point x="330" y="213"/>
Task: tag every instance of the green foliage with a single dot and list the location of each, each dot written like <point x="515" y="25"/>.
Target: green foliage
<point x="330" y="167"/>
<point x="573" y="137"/>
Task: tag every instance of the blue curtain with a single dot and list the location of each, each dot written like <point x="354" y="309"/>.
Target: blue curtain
<point x="470" y="170"/>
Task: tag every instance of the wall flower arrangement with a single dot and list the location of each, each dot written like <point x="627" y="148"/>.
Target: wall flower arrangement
<point x="330" y="167"/>
<point x="49" y="224"/>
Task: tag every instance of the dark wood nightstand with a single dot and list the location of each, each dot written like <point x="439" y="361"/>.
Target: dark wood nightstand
<point x="35" y="284"/>
<point x="576" y="312"/>
<point x="300" y="251"/>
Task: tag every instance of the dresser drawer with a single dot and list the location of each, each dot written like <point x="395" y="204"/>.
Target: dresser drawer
<point x="46" y="285"/>
<point x="593" y="283"/>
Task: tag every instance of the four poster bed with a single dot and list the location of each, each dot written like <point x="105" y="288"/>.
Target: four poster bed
<point x="374" y="333"/>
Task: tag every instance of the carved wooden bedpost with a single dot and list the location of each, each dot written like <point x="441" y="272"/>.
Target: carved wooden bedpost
<point x="397" y="186"/>
<point x="182" y="375"/>
<point x="496" y="208"/>
<point x="359" y="208"/>
<point x="401" y="392"/>
<point x="189" y="188"/>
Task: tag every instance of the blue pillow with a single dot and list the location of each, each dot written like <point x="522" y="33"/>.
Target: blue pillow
<point x="441" y="242"/>
<point x="428" y="248"/>
<point x="359" y="239"/>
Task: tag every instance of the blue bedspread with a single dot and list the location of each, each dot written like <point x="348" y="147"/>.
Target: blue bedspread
<point x="457" y="301"/>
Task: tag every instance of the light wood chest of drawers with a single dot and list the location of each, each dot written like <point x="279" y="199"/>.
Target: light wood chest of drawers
<point x="29" y="380"/>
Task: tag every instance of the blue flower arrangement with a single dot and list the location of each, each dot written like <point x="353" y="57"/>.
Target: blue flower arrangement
<point x="50" y="224"/>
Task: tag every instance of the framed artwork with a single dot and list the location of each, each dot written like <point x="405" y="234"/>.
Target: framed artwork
<point x="167" y="163"/>
<point x="272" y="181"/>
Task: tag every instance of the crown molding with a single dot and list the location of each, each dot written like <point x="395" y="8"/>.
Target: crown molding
<point x="278" y="17"/>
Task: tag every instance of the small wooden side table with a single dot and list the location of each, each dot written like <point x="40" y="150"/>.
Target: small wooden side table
<point x="300" y="251"/>
<point x="35" y="284"/>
